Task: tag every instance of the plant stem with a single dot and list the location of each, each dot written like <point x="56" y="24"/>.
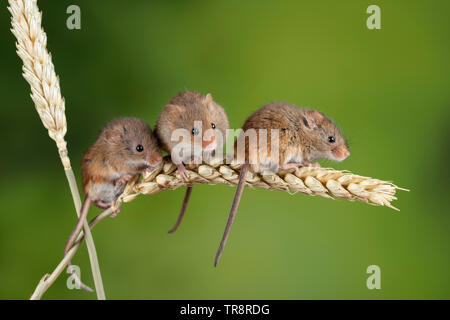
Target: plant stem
<point x="89" y="240"/>
<point x="48" y="280"/>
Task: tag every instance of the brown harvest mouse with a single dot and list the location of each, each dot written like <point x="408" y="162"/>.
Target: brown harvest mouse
<point x="124" y="148"/>
<point x="304" y="136"/>
<point x="204" y="122"/>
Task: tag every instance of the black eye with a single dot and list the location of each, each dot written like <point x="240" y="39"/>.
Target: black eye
<point x="139" y="148"/>
<point x="331" y="139"/>
<point x="213" y="125"/>
<point x="194" y="131"/>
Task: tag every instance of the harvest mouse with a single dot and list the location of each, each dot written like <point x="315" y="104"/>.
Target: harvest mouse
<point x="124" y="148"/>
<point x="205" y="123"/>
<point x="304" y="136"/>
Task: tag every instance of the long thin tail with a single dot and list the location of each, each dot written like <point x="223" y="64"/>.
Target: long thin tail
<point x="183" y="209"/>
<point x="234" y="207"/>
<point x="72" y="238"/>
<point x="77" y="229"/>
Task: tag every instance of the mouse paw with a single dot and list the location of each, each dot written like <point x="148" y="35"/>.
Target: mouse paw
<point x="115" y="213"/>
<point x="147" y="171"/>
<point x="182" y="172"/>
<point x="198" y="159"/>
<point x="309" y="164"/>
<point x="123" y="179"/>
<point x="288" y="166"/>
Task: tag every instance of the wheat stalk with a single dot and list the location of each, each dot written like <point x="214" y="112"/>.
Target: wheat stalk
<point x="39" y="72"/>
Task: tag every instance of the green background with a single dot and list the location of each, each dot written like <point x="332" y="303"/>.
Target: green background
<point x="387" y="89"/>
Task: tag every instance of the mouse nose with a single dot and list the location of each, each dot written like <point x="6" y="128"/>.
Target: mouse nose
<point x="209" y="144"/>
<point x="341" y="152"/>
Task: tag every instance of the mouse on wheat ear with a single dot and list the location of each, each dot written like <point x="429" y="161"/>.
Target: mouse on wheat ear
<point x="205" y="123"/>
<point x="125" y="147"/>
<point x="304" y="136"/>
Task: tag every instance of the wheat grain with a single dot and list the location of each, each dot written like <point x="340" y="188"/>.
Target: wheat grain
<point x="39" y="72"/>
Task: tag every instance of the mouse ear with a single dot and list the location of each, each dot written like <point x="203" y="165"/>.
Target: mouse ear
<point x="208" y="99"/>
<point x="312" y="119"/>
<point x="175" y="109"/>
<point x="113" y="136"/>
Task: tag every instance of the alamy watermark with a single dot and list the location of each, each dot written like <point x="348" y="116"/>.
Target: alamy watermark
<point x="74" y="280"/>
<point x="73" y="22"/>
<point x="194" y="145"/>
<point x="374" y="20"/>
<point x="374" y="280"/>
<point x="258" y="147"/>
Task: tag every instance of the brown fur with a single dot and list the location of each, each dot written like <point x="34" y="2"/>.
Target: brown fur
<point x="303" y="133"/>
<point x="181" y="112"/>
<point x="113" y="155"/>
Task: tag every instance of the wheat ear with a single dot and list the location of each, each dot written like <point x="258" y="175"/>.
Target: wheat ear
<point x="39" y="72"/>
<point x="324" y="182"/>
<point x="315" y="181"/>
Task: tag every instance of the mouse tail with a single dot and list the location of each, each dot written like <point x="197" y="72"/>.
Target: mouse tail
<point x="187" y="196"/>
<point x="231" y="216"/>
<point x="79" y="225"/>
<point x="71" y="240"/>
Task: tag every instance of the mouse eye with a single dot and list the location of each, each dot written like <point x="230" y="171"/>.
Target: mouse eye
<point x="213" y="125"/>
<point x="331" y="139"/>
<point x="194" y="131"/>
<point x="139" y="148"/>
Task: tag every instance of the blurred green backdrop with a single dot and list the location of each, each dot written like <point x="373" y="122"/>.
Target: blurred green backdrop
<point x="388" y="89"/>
